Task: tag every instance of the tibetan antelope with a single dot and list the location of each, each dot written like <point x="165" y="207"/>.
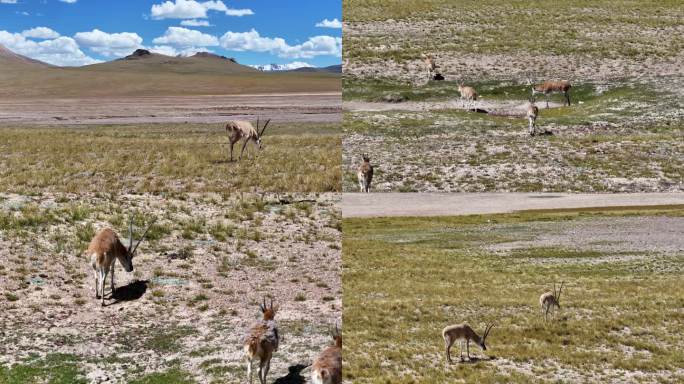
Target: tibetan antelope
<point x="549" y="87"/>
<point x="463" y="332"/>
<point x="327" y="368"/>
<point x="104" y="249"/>
<point x="430" y="65"/>
<point x="365" y="174"/>
<point x="241" y="129"/>
<point x="548" y="300"/>
<point x="261" y="341"/>
<point x="532" y="113"/>
<point x="467" y="94"/>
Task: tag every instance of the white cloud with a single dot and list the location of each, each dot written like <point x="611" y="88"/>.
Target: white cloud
<point x="172" y="51"/>
<point x="63" y="51"/>
<point x="183" y="37"/>
<point x="329" y="23"/>
<point x="252" y="41"/>
<point x="8" y="1"/>
<point x="40" y="33"/>
<point x="195" y="23"/>
<point x="191" y="9"/>
<point x="68" y="1"/>
<point x="109" y="44"/>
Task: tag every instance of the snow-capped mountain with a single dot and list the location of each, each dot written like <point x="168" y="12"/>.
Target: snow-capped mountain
<point x="283" y="67"/>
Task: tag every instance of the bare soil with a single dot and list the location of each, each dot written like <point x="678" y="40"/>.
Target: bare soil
<point x="296" y="107"/>
<point x="195" y="289"/>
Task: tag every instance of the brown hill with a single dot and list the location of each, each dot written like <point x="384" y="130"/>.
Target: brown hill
<point x="144" y="73"/>
<point x="11" y="59"/>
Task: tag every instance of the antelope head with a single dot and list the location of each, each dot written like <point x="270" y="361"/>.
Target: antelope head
<point x="365" y="157"/>
<point x="260" y="133"/>
<point x="483" y="339"/>
<point x="127" y="260"/>
<point x="269" y="311"/>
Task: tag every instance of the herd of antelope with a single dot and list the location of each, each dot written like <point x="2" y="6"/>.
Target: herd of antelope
<point x="549" y="301"/>
<point x="469" y="94"/>
<point x="261" y="339"/>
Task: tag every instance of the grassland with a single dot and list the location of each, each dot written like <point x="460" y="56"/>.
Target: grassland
<point x="505" y="40"/>
<point x="612" y="139"/>
<point x="407" y="278"/>
<point x="155" y="80"/>
<point x="179" y="317"/>
<point x="623" y="132"/>
<point x="303" y="157"/>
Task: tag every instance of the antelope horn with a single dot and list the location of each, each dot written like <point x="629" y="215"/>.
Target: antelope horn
<point x="130" y="235"/>
<point x="559" y="290"/>
<point x="264" y="129"/>
<point x="143" y="235"/>
<point x="257" y="123"/>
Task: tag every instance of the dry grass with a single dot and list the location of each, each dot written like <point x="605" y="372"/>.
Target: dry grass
<point x="166" y="158"/>
<point x="406" y="278"/>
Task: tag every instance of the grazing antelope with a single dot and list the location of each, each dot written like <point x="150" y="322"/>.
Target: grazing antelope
<point x="532" y="113"/>
<point x="365" y="174"/>
<point x="430" y="65"/>
<point x="467" y="94"/>
<point x="104" y="249"/>
<point x="463" y="332"/>
<point x="549" y="87"/>
<point x="241" y="129"/>
<point x="327" y="368"/>
<point x="548" y="300"/>
<point x="261" y="341"/>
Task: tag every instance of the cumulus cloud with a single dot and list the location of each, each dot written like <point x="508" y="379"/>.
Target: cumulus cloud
<point x="8" y="1"/>
<point x="40" y="33"/>
<point x="62" y="51"/>
<point x="68" y="1"/>
<point x="252" y="41"/>
<point x="329" y="23"/>
<point x="195" y="23"/>
<point x="191" y="9"/>
<point x="183" y="37"/>
<point x="109" y="44"/>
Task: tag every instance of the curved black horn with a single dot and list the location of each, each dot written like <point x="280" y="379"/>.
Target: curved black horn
<point x="130" y="234"/>
<point x="264" y="129"/>
<point x="143" y="235"/>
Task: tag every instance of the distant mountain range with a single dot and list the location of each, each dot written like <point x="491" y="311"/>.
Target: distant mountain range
<point x="298" y="67"/>
<point x="148" y="73"/>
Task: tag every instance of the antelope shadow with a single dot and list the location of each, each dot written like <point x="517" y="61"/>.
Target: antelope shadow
<point x="293" y="376"/>
<point x="130" y="292"/>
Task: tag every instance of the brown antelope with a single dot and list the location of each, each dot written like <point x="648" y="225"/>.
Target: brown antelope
<point x="430" y="65"/>
<point x="467" y="94"/>
<point x="549" y="87"/>
<point x="261" y="341"/>
<point x="463" y="332"/>
<point x="327" y="368"/>
<point x="241" y="129"/>
<point x="104" y="249"/>
<point x="365" y="174"/>
<point x="548" y="300"/>
<point x="532" y="113"/>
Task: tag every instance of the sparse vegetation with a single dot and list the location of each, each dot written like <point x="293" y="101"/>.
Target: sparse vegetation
<point x="619" y="317"/>
<point x="166" y="158"/>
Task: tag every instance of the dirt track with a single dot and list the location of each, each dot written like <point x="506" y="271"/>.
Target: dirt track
<point x="301" y="107"/>
<point x="453" y="204"/>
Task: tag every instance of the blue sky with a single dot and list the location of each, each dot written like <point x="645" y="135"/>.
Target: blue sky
<point x="78" y="32"/>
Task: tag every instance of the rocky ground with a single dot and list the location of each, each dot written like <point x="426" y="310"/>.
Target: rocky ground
<point x="196" y="286"/>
